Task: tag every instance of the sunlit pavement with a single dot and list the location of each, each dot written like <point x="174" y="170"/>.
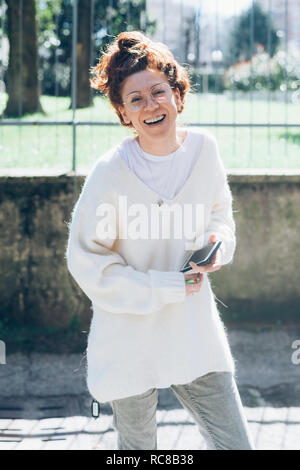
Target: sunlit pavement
<point x="44" y="402"/>
<point x="272" y="427"/>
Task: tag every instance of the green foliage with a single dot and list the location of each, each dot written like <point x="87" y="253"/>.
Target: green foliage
<point x="55" y="37"/>
<point x="240" y="42"/>
<point x="265" y="72"/>
<point x="55" y="19"/>
<point x="46" y="11"/>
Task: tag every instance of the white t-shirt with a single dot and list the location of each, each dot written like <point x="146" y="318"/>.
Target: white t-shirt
<point x="165" y="174"/>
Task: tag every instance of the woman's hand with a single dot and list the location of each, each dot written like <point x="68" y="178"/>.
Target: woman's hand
<point x="195" y="286"/>
<point x="209" y="268"/>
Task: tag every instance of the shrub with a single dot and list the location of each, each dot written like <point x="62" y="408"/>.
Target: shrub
<point x="274" y="73"/>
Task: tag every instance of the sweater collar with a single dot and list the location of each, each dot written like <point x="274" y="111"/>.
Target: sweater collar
<point x="144" y="189"/>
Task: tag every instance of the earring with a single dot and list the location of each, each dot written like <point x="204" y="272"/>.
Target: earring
<point x="126" y="122"/>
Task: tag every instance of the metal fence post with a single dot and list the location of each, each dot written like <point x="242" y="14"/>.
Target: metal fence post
<point x="74" y="89"/>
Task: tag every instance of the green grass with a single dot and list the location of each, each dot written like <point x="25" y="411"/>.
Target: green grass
<point x="51" y="146"/>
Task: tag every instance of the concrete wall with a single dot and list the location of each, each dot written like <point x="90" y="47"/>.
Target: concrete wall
<point x="263" y="282"/>
<point x="37" y="289"/>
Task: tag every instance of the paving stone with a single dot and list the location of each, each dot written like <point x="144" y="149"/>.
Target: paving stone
<point x="33" y="440"/>
<point x="76" y="425"/>
<point x="292" y="435"/>
<point x="9" y="435"/>
<point x="176" y="430"/>
<point x="189" y="437"/>
<point x="92" y="434"/>
<point x="272" y="431"/>
<point x="254" y="419"/>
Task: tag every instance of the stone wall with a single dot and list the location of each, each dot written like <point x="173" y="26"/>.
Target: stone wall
<point x="262" y="284"/>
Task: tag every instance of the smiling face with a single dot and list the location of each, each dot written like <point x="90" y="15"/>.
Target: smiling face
<point x="143" y="82"/>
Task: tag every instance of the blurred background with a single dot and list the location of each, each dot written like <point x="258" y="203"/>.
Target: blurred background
<point x="243" y="57"/>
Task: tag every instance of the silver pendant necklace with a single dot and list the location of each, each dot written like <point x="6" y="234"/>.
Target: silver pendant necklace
<point x="160" y="201"/>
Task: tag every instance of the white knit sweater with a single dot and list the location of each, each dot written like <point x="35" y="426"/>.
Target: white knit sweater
<point x="145" y="332"/>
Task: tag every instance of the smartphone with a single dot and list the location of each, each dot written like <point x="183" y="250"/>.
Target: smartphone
<point x="202" y="257"/>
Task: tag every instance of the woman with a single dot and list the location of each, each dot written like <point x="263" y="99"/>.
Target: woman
<point x="147" y="330"/>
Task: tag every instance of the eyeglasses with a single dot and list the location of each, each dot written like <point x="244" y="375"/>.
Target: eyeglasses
<point x="160" y="93"/>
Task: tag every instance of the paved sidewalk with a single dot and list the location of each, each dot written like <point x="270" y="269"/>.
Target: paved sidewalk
<point x="44" y="403"/>
<point x="271" y="427"/>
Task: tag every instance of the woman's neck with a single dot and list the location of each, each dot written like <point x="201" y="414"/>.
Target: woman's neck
<point x="161" y="147"/>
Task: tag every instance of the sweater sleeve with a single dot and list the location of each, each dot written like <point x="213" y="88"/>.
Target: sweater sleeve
<point x="103" y="274"/>
<point x="221" y="219"/>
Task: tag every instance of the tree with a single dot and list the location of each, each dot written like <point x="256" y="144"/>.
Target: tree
<point x="54" y="44"/>
<point x="240" y="40"/>
<point x="22" y="73"/>
<point x="191" y="39"/>
<point x="111" y="18"/>
<point x="83" y="51"/>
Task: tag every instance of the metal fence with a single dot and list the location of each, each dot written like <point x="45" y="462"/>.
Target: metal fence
<point x="197" y="33"/>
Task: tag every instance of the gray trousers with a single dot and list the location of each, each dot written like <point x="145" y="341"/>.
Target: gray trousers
<point x="212" y="400"/>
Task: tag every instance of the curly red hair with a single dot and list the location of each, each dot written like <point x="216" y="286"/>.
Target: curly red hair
<point x="133" y="52"/>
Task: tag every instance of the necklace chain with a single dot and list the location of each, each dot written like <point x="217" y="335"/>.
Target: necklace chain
<point x="160" y="201"/>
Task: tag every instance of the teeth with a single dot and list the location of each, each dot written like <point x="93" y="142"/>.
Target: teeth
<point x="155" y="119"/>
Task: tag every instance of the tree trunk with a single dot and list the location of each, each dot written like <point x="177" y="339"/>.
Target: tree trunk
<point x="22" y="74"/>
<point x="83" y="93"/>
